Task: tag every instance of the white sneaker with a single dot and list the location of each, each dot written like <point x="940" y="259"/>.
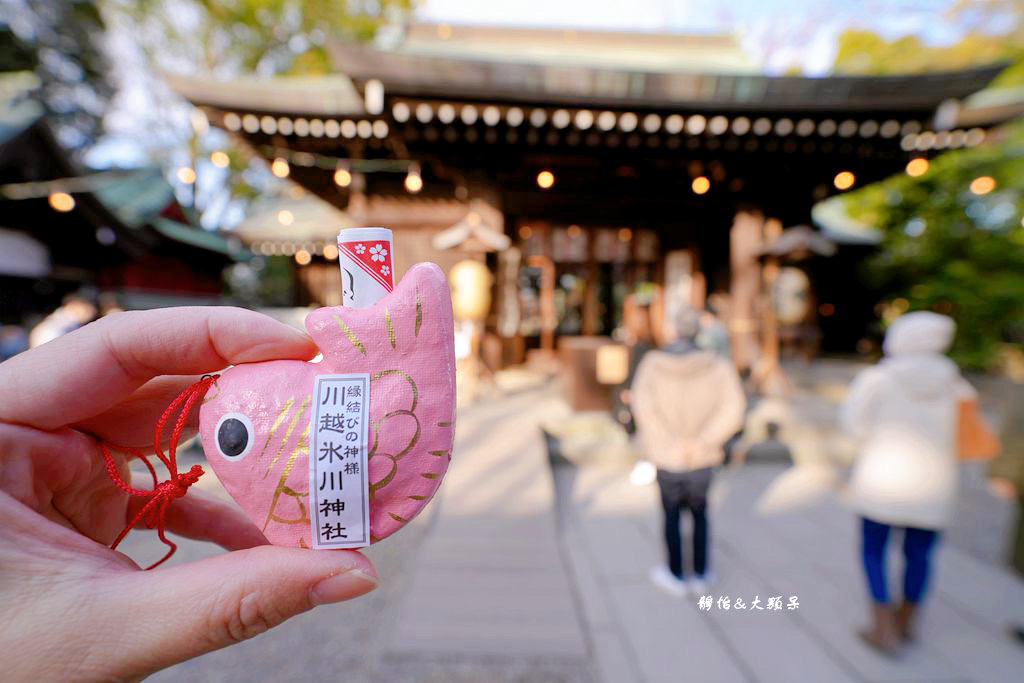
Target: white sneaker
<point x="699" y="585"/>
<point x="667" y="581"/>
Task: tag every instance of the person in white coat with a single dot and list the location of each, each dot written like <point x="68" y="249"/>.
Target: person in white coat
<point x="903" y="413"/>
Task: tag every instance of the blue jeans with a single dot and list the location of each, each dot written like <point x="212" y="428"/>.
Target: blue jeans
<point x="917" y="547"/>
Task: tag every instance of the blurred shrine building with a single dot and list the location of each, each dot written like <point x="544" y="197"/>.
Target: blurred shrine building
<point x="615" y="164"/>
<point x="117" y="237"/>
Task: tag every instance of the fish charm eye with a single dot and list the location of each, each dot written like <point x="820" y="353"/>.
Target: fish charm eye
<point x="234" y="436"/>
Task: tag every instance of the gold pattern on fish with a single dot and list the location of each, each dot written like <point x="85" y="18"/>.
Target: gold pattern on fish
<point x="377" y="485"/>
<point x="419" y="312"/>
<point x="407" y="378"/>
<point x="376" y="426"/>
<point x="301" y="448"/>
<point x="288" y="432"/>
<point x="391" y="329"/>
<point x="278" y="421"/>
<point x="350" y="335"/>
<point x="211" y="394"/>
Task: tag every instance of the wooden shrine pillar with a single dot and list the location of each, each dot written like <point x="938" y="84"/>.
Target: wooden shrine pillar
<point x="548" y="315"/>
<point x="769" y="376"/>
<point x="745" y="241"/>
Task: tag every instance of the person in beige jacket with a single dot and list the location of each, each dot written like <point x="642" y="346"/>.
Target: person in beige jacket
<point x="687" y="403"/>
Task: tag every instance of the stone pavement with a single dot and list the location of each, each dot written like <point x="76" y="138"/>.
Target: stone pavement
<point x="613" y="532"/>
<point x="515" y="575"/>
<point x="490" y="597"/>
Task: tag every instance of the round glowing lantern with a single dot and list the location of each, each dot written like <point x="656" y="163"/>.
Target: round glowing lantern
<point x="471" y="290"/>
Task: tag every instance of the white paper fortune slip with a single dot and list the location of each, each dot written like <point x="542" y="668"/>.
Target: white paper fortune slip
<point x="338" y="480"/>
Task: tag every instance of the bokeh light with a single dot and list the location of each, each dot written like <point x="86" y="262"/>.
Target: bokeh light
<point x="917" y="167"/>
<point x="982" y="185"/>
<point x="186" y="175"/>
<point x="413" y="182"/>
<point x="844" y="180"/>
<point x="220" y="159"/>
<point x="280" y="168"/>
<point x="343" y="177"/>
<point x="61" y="201"/>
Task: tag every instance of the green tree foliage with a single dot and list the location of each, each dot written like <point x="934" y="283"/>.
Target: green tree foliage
<point x="262" y="36"/>
<point x="61" y="41"/>
<point x="949" y="249"/>
<point x="995" y="33"/>
<point x="866" y="52"/>
<point x="233" y="39"/>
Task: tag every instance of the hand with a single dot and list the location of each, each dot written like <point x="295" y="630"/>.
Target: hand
<point x="1002" y="488"/>
<point x="74" y="609"/>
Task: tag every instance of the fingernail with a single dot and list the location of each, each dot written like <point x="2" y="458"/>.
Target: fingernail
<point x="299" y="334"/>
<point x="302" y="337"/>
<point x="345" y="586"/>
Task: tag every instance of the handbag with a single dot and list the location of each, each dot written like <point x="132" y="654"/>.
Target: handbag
<point x="975" y="441"/>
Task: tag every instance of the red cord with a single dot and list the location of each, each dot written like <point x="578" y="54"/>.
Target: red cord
<point x="154" y="512"/>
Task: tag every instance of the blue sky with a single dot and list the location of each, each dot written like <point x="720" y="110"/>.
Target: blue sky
<point x="776" y="33"/>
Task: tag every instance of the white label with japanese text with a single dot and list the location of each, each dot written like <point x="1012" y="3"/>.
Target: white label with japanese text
<point x="338" y="480"/>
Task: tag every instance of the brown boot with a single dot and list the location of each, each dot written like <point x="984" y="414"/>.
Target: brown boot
<point x="882" y="635"/>
<point x="905" y="621"/>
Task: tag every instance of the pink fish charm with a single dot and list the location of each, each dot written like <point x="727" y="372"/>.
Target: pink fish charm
<point x="406" y="344"/>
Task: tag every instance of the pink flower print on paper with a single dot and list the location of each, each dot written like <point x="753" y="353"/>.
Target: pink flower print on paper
<point x="360" y="248"/>
<point x="378" y="252"/>
<point x="384" y="270"/>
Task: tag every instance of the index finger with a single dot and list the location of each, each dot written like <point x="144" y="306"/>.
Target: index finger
<point x="86" y="372"/>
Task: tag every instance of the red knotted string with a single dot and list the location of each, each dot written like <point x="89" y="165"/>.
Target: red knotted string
<point x="154" y="512"/>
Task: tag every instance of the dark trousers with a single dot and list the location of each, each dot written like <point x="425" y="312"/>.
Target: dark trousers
<point x="917" y="548"/>
<point x="685" y="491"/>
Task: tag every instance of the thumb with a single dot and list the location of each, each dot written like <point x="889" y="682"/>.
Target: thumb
<point x="178" y="613"/>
